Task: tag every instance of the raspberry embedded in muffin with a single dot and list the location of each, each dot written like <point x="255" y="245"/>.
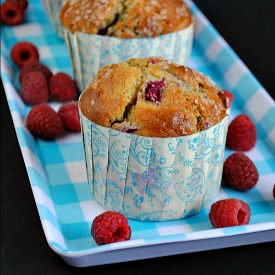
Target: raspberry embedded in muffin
<point x="125" y="127"/>
<point x="153" y="90"/>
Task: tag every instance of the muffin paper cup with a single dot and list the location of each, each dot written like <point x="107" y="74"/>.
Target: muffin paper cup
<point x="88" y="53"/>
<point x="153" y="179"/>
<point x="52" y="8"/>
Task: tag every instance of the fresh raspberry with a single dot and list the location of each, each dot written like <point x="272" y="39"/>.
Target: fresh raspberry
<point x="43" y="122"/>
<point x="229" y="212"/>
<point x="24" y="53"/>
<point x="23" y="4"/>
<point x="62" y="87"/>
<point x="230" y="96"/>
<point x="110" y="227"/>
<point x="11" y="13"/>
<point x="70" y="116"/>
<point x="37" y="67"/>
<point x="241" y="134"/>
<point x="34" y="89"/>
<point x="239" y="172"/>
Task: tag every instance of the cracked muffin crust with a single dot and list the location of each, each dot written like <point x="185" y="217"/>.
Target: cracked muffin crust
<point x="153" y="97"/>
<point x="125" y="18"/>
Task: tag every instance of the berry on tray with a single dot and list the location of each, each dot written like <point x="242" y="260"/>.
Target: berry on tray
<point x="34" y="88"/>
<point x="24" y="53"/>
<point x="37" y="67"/>
<point x="62" y="87"/>
<point x="229" y="212"/>
<point x="43" y="122"/>
<point x="110" y="227"/>
<point x="241" y="134"/>
<point x="23" y="4"/>
<point x="70" y="116"/>
<point x="11" y="13"/>
<point x="230" y="96"/>
<point x="239" y="172"/>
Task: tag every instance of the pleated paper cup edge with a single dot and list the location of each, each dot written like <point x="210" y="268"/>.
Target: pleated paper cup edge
<point x="143" y="216"/>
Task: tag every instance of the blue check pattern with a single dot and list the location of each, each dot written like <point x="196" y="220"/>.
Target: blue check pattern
<point x="57" y="169"/>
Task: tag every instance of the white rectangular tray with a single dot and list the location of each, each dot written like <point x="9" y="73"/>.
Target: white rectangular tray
<point x="57" y="173"/>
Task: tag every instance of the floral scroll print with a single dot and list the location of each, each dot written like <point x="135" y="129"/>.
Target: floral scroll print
<point x="88" y="53"/>
<point x="154" y="178"/>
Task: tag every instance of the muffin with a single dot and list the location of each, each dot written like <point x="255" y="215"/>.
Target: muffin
<point x="154" y="136"/>
<point x="52" y="8"/>
<point x="98" y="33"/>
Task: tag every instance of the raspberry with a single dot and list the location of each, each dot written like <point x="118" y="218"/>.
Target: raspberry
<point x="11" y="13"/>
<point x="62" y="87"/>
<point x="239" y="172"/>
<point x="43" y="122"/>
<point x="70" y="116"/>
<point x="24" y="53"/>
<point x="230" y="97"/>
<point x="110" y="227"/>
<point x="241" y="134"/>
<point x="128" y="129"/>
<point x="153" y="90"/>
<point x="23" y="4"/>
<point x="34" y="89"/>
<point x="36" y="66"/>
<point x="229" y="212"/>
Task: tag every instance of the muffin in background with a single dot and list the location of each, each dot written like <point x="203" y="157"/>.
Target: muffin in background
<point x="98" y="33"/>
<point x="154" y="135"/>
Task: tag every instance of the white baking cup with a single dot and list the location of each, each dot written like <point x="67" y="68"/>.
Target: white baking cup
<point x="153" y="179"/>
<point x="88" y="53"/>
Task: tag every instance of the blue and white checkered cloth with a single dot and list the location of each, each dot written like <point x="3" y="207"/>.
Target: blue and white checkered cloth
<point x="57" y="172"/>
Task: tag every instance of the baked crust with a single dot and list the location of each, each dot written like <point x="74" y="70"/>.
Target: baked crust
<point x="153" y="97"/>
<point x="125" y="18"/>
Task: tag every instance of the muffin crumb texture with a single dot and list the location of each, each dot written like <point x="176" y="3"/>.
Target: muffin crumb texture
<point x="153" y="97"/>
<point x="125" y="18"/>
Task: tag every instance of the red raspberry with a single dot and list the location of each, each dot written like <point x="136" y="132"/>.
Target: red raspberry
<point x="62" y="87"/>
<point x="241" y="134"/>
<point x="70" y="116"/>
<point x="23" y="4"/>
<point x="230" y="96"/>
<point x="43" y="122"/>
<point x="229" y="212"/>
<point x="110" y="227"/>
<point x="24" y="53"/>
<point x="239" y="172"/>
<point x="36" y="66"/>
<point x="34" y="89"/>
<point x="11" y="13"/>
<point x="153" y="90"/>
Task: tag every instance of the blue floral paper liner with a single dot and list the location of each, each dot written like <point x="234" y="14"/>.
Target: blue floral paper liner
<point x="88" y="53"/>
<point x="153" y="179"/>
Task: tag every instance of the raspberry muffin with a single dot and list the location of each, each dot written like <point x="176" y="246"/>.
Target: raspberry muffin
<point x="98" y="33"/>
<point x="154" y="135"/>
